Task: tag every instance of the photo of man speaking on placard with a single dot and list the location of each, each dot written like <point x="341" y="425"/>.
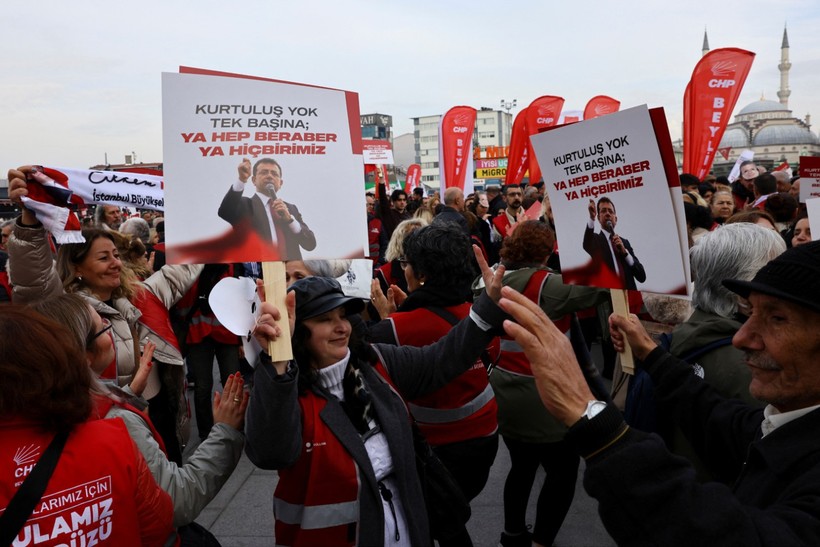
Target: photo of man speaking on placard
<point x="275" y="221"/>
<point x="609" y="251"/>
<point x="260" y="170"/>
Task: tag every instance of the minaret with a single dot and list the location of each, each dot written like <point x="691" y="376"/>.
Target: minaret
<point x="784" y="67"/>
<point x="705" y="43"/>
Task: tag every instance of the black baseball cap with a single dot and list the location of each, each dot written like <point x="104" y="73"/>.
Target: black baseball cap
<point x="317" y="295"/>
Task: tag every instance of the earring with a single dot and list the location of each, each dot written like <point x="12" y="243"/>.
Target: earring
<point x="79" y="279"/>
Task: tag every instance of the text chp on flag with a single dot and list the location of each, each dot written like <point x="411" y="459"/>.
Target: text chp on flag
<point x="708" y="102"/>
<point x="455" y="148"/>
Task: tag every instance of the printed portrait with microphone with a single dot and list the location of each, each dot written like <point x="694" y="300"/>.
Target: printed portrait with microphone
<point x="276" y="221"/>
<point x="611" y="252"/>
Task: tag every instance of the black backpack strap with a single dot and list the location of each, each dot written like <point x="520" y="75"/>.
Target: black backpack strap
<point x="452" y="319"/>
<point x="31" y="491"/>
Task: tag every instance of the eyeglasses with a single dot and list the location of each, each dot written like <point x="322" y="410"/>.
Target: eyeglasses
<point x="106" y="327"/>
<point x="403" y="262"/>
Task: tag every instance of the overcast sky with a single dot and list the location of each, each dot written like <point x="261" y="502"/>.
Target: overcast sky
<point x="82" y="78"/>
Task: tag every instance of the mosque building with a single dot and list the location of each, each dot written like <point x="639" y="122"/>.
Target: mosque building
<point x="767" y="127"/>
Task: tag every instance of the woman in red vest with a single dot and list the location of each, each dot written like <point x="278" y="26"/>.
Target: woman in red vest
<point x="334" y="425"/>
<point x="459" y="420"/>
<point x="533" y="437"/>
<point x="193" y="485"/>
<point x="101" y="491"/>
<point x="138" y="310"/>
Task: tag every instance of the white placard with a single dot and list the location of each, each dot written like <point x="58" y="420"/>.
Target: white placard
<point x="212" y="122"/>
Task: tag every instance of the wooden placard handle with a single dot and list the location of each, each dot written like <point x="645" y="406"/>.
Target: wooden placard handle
<point x="275" y="291"/>
<point x="620" y="305"/>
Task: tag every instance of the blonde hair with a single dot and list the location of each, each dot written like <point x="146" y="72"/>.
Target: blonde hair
<point x="395" y="248"/>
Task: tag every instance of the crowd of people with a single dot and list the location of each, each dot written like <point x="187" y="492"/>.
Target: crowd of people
<point x="470" y="335"/>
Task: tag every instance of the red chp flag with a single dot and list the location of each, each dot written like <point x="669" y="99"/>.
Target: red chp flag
<point x="709" y="100"/>
<point x="519" y="148"/>
<point x="543" y="112"/>
<point x="455" y="144"/>
<point x="600" y="105"/>
<point x="413" y="178"/>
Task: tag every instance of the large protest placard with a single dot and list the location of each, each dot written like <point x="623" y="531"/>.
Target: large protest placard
<point x="813" y="210"/>
<point x="260" y="170"/>
<point x="613" y="199"/>
<point x="809" y="178"/>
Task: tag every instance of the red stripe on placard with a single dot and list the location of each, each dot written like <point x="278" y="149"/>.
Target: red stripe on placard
<point x="670" y="166"/>
<point x="353" y="120"/>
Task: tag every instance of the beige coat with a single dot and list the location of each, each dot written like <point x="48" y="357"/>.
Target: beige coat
<point x="32" y="272"/>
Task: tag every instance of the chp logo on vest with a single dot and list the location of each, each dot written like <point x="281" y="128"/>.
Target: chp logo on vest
<point x="309" y="446"/>
<point x="460" y="123"/>
<point x="720" y="70"/>
<point x="24" y="459"/>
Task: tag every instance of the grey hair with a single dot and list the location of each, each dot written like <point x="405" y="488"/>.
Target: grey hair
<point x="137" y="227"/>
<point x="732" y="251"/>
<point x="99" y="214"/>
<point x="451" y="195"/>
<point x="9" y="222"/>
<point x="327" y="268"/>
<point x="396" y="246"/>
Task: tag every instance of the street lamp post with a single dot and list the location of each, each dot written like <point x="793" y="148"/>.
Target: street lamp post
<point x="508" y="105"/>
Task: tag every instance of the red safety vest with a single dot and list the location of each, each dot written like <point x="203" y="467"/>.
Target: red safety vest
<point x="512" y="358"/>
<point x="92" y="492"/>
<point x="317" y="500"/>
<point x="463" y="409"/>
<point x="203" y="325"/>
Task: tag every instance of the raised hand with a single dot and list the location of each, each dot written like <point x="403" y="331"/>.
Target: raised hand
<point x="229" y="406"/>
<point x="492" y="279"/>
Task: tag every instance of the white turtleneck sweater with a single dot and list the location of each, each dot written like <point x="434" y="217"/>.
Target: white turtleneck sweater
<point x="375" y="443"/>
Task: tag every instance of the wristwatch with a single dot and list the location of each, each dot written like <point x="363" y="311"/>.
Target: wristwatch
<point x="594" y="408"/>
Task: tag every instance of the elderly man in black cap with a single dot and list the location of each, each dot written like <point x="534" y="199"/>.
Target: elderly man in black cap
<point x="648" y="496"/>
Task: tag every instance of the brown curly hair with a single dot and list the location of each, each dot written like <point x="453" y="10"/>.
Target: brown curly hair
<point x="530" y="244"/>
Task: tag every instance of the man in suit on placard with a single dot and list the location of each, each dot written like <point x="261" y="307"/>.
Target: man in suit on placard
<point x="274" y="220"/>
<point x="608" y="248"/>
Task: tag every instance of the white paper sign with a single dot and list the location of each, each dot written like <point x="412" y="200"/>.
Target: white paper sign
<point x="377" y="152"/>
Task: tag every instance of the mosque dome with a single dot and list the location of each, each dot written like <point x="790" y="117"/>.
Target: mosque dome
<point x="735" y="137"/>
<point x="784" y="134"/>
<point x="763" y="106"/>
